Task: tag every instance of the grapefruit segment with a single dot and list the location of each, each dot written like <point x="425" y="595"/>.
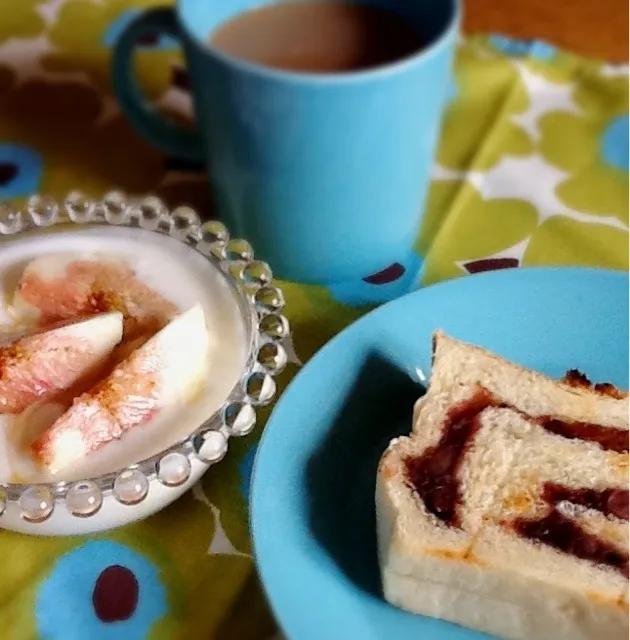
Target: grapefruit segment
<point x="38" y="366"/>
<point x="58" y="287"/>
<point x="163" y="373"/>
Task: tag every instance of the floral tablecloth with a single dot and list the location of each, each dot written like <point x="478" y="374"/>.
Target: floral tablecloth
<point x="532" y="169"/>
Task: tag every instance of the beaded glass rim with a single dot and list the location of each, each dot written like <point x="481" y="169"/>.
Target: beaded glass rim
<point x="269" y="338"/>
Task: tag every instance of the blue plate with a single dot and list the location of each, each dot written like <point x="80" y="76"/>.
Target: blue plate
<point x="313" y="485"/>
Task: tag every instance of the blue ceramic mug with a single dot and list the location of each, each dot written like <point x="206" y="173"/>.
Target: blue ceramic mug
<point x="326" y="174"/>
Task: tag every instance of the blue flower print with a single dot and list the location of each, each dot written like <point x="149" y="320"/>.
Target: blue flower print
<point x="536" y="49"/>
<point x="452" y="90"/>
<point x="394" y="281"/>
<point x="245" y="471"/>
<point x="101" y="590"/>
<point x="21" y="171"/>
<point x="614" y="143"/>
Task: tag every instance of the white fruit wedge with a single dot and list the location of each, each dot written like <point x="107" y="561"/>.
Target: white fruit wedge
<point x="36" y="367"/>
<point x="58" y="287"/>
<point x="162" y="374"/>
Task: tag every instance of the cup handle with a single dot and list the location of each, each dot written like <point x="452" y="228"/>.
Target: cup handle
<point x="167" y="136"/>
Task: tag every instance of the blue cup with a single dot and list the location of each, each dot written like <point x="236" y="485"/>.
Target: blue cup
<point x="325" y="174"/>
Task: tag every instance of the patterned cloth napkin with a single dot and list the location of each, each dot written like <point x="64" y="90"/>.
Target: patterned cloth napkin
<point x="532" y="169"/>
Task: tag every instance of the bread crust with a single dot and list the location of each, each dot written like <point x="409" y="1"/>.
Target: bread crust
<point x="481" y="574"/>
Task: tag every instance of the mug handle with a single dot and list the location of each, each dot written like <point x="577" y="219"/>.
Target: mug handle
<point x="167" y="136"/>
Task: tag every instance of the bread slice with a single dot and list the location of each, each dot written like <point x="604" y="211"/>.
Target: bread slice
<point x="506" y="510"/>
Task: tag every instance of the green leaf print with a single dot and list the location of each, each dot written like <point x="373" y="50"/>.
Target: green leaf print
<point x="315" y="316"/>
<point x="476" y="127"/>
<point x="475" y="228"/>
<point x="21" y="20"/>
<point x="88" y="50"/>
<point x="562" y="241"/>
<point x="222" y="486"/>
<point x="30" y="558"/>
<point x="559" y="144"/>
<point x="442" y="193"/>
<point x="597" y="190"/>
<point x="575" y="142"/>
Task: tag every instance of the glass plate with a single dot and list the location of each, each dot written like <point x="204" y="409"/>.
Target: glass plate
<point x="114" y="499"/>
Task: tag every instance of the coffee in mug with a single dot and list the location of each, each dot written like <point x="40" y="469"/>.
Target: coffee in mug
<point x="318" y="36"/>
